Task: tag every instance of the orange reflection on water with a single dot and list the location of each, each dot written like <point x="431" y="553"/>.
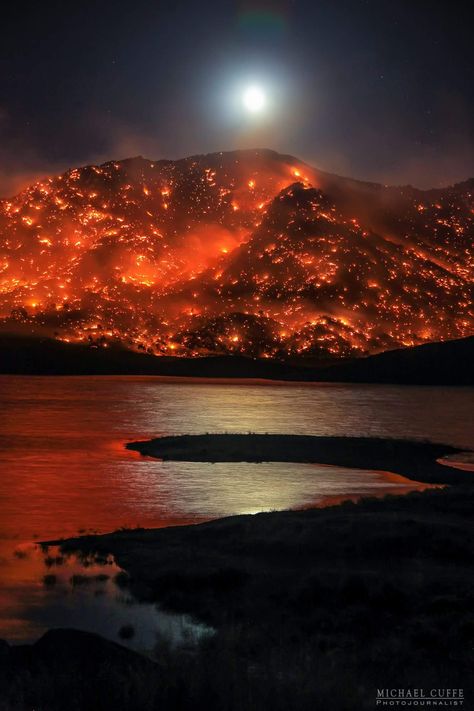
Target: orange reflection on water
<point x="65" y="469"/>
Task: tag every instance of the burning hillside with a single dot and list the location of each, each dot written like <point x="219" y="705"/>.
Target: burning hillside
<point x="245" y="252"/>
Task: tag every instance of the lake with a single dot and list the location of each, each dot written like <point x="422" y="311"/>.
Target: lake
<point x="65" y="470"/>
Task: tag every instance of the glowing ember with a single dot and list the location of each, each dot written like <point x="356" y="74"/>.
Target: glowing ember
<point x="226" y="253"/>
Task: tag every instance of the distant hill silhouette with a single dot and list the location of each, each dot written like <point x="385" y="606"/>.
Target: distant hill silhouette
<point x="448" y="363"/>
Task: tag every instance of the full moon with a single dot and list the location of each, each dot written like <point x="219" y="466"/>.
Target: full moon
<point x="253" y="99"/>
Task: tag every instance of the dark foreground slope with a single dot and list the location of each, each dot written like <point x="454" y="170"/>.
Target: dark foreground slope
<point x="70" y="669"/>
<point x="313" y="609"/>
<point x="447" y="363"/>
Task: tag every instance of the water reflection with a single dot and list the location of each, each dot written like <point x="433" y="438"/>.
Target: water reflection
<point x="86" y="593"/>
<point x="65" y="469"/>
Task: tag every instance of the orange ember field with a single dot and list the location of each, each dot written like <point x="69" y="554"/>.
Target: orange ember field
<point x="245" y="252"/>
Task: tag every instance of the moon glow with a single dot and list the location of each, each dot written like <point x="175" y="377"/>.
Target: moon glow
<point x="254" y="99"/>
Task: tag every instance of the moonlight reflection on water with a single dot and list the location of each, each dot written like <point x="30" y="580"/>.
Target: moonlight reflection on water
<point x="66" y="470"/>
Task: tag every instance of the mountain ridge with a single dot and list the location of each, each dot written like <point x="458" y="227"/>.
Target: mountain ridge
<point x="127" y="250"/>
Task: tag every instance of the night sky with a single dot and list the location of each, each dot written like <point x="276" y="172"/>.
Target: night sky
<point x="378" y="90"/>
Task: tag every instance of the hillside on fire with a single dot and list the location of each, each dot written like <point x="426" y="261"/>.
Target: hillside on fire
<point x="247" y="252"/>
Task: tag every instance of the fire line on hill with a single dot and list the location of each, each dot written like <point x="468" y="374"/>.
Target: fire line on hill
<point x="247" y="252"/>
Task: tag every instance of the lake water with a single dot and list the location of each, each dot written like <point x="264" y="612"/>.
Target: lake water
<point x="64" y="470"/>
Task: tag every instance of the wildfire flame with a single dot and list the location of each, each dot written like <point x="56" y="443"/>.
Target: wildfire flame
<point x="228" y="254"/>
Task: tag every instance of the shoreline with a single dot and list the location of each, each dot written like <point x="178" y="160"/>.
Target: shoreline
<point x="239" y="380"/>
<point x="139" y="551"/>
<point x="382" y="587"/>
<point x="239" y="565"/>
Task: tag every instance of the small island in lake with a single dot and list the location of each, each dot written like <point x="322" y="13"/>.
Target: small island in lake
<point x="415" y="460"/>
